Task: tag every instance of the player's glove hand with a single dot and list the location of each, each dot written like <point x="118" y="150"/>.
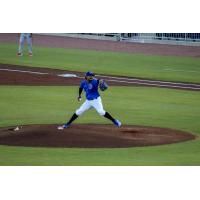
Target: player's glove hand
<point x="103" y="85"/>
<point x="79" y="98"/>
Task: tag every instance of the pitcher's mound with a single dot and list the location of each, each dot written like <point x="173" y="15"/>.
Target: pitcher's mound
<point x="90" y="136"/>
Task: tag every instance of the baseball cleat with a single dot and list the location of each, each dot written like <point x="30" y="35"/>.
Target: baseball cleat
<point x="117" y="123"/>
<point x="63" y="127"/>
<point x="19" y="54"/>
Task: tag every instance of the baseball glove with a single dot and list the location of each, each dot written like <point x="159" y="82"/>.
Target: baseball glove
<point x="103" y="85"/>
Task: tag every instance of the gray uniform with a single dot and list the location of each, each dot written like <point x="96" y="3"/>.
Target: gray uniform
<point x="28" y="38"/>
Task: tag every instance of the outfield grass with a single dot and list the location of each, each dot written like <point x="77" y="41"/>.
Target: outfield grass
<point x="133" y="105"/>
<point x="145" y="66"/>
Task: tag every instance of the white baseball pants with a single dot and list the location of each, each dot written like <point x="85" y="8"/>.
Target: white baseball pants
<point x="96" y="104"/>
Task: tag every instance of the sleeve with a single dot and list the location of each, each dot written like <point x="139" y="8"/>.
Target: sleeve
<point x="80" y="91"/>
<point x="82" y="84"/>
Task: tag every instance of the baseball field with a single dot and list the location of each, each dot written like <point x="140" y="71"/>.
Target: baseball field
<point x="150" y="87"/>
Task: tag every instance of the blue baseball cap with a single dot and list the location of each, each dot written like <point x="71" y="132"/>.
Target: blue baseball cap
<point x="89" y="73"/>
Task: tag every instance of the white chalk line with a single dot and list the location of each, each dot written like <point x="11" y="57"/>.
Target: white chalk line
<point x="153" y="84"/>
<point x="179" y="70"/>
<point x="33" y="72"/>
<point x="23" y="71"/>
<point x="150" y="84"/>
<point x="150" y="81"/>
<point x="121" y="80"/>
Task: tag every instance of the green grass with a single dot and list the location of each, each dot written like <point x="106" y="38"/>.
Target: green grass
<point x="171" y="68"/>
<point x="133" y="105"/>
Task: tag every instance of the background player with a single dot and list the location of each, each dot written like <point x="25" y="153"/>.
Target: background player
<point x="93" y="100"/>
<point x="22" y="38"/>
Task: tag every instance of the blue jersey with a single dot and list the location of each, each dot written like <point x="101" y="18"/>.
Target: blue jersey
<point x="90" y="88"/>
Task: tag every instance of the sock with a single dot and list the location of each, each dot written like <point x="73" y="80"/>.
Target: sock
<point x="74" y="116"/>
<point x="108" y="116"/>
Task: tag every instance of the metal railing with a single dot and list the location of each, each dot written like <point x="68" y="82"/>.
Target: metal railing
<point x="163" y="38"/>
<point x="190" y="39"/>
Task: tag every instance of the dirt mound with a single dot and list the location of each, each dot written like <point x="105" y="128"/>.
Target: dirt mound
<point x="90" y="136"/>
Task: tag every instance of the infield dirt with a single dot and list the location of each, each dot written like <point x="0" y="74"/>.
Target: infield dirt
<point x="91" y="136"/>
<point x="22" y="75"/>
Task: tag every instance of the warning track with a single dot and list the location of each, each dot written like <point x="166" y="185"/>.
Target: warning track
<point x="20" y="75"/>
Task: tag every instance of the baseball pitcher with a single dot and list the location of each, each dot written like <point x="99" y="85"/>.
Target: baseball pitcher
<point x="90" y="86"/>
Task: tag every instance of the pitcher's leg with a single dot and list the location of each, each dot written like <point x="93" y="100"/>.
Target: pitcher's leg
<point x="74" y="116"/>
<point x="116" y="122"/>
<point x="85" y="106"/>
<point x="108" y="116"/>
<point x="97" y="104"/>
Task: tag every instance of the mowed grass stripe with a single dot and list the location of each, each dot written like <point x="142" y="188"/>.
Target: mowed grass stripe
<point x="143" y="66"/>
